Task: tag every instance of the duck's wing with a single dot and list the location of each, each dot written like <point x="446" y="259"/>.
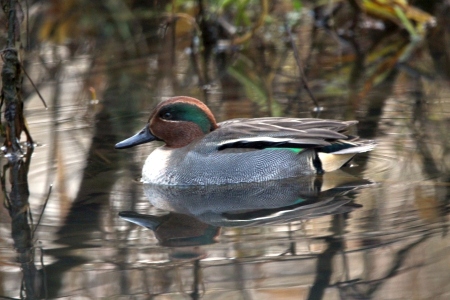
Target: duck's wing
<point x="282" y="133"/>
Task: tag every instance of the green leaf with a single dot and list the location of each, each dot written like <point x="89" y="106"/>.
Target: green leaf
<point x="297" y="4"/>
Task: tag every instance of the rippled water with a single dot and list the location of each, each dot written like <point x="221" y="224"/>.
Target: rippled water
<point x="376" y="230"/>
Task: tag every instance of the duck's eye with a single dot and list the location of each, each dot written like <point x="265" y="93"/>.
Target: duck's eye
<point x="167" y="115"/>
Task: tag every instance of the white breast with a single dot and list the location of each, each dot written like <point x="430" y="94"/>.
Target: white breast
<point x="156" y="166"/>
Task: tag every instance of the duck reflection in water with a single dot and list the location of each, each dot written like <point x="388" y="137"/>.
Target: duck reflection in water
<point x="197" y="212"/>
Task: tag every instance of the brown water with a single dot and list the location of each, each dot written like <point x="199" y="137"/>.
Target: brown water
<point x="379" y="231"/>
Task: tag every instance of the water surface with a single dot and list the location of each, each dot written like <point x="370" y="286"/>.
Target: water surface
<point x="379" y="230"/>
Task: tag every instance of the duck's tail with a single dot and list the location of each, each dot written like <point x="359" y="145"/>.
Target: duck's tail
<point x="333" y="157"/>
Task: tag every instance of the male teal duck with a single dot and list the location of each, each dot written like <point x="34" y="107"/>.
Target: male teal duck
<point x="199" y="151"/>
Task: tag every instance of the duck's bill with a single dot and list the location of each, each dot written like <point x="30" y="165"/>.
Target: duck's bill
<point x="143" y="136"/>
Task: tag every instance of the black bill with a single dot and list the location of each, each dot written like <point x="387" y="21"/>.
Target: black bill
<point x="143" y="136"/>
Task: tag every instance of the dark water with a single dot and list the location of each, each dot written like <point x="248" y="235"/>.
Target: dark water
<point x="376" y="230"/>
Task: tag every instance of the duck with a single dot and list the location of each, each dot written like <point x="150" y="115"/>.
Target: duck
<point x="199" y="151"/>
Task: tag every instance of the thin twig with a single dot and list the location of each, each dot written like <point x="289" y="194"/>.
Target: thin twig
<point x="43" y="209"/>
<point x="44" y="273"/>
<point x="299" y="64"/>
<point x="27" y="8"/>
<point x="34" y="86"/>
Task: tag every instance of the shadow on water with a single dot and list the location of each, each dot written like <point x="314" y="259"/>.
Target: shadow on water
<point x="377" y="230"/>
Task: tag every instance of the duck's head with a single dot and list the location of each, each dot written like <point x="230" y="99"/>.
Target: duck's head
<point x="177" y="121"/>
